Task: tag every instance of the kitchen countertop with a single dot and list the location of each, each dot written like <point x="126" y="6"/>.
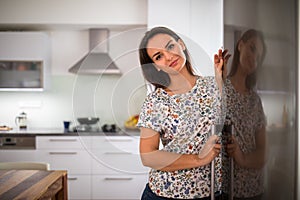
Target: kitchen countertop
<point x="61" y="132"/>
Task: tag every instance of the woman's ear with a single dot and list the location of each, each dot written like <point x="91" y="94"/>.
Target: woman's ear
<point x="181" y="44"/>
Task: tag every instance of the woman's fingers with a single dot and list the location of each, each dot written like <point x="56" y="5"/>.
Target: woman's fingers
<point x="232" y="146"/>
<point x="216" y="150"/>
<point x="217" y="60"/>
<point x="226" y="58"/>
<point x="224" y="53"/>
<point x="221" y="56"/>
<point x="220" y="61"/>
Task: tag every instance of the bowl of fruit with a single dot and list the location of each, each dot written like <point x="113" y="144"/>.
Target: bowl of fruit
<point x="131" y="122"/>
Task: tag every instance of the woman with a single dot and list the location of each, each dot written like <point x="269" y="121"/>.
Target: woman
<point x="179" y="113"/>
<point x="245" y="113"/>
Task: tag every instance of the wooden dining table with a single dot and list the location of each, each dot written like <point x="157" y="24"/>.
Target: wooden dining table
<point x="33" y="184"/>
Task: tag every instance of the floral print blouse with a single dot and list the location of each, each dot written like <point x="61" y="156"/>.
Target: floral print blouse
<point x="184" y="123"/>
<point x="245" y="113"/>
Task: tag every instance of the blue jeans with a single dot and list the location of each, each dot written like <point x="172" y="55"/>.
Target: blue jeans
<point x="149" y="195"/>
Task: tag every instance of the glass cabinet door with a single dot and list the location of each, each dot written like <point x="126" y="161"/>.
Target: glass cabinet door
<point x="21" y="75"/>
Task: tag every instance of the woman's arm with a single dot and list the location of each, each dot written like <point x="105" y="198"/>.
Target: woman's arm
<point x="154" y="158"/>
<point x="255" y="159"/>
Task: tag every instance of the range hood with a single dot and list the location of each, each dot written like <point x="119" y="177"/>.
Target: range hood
<point x="97" y="61"/>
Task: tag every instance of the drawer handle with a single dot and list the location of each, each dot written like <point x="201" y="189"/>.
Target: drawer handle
<point x="62" y="153"/>
<point x="117" y="179"/>
<point x="73" y="179"/>
<point x="118" y="153"/>
<point x="118" y="140"/>
<point x="62" y="140"/>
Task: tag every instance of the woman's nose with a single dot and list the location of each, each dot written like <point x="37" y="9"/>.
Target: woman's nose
<point x="169" y="56"/>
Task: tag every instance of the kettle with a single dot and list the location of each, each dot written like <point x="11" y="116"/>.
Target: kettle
<point x="21" y="120"/>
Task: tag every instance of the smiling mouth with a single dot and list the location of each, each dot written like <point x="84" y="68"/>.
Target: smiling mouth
<point x="174" y="63"/>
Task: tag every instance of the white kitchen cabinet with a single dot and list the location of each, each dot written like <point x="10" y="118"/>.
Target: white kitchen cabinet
<point x="123" y="186"/>
<point x="79" y="186"/>
<point x="21" y="75"/>
<point x="67" y="14"/>
<point x="69" y="153"/>
<point x="116" y="166"/>
<point x="63" y="142"/>
<point x="115" y="162"/>
<point x="75" y="161"/>
<point x="24" y="61"/>
<point x="116" y="154"/>
<point x="99" y="167"/>
<point x="9" y="155"/>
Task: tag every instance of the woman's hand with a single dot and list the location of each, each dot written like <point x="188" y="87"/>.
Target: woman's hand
<point x="220" y="64"/>
<point x="256" y="158"/>
<point x="210" y="150"/>
<point x="235" y="152"/>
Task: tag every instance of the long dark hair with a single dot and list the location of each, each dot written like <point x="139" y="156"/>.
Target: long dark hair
<point x="159" y="79"/>
<point x="251" y="79"/>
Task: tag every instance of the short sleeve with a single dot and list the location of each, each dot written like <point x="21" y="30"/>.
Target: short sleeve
<point x="261" y="118"/>
<point x="151" y="114"/>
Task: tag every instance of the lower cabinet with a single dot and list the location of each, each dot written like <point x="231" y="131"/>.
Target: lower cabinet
<point x="79" y="186"/>
<point x="99" y="167"/>
<point x="117" y="172"/>
<point x="9" y="155"/>
<point x="68" y="153"/>
<point x="118" y="186"/>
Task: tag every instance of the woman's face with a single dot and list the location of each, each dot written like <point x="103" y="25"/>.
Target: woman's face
<point x="166" y="53"/>
<point x="250" y="54"/>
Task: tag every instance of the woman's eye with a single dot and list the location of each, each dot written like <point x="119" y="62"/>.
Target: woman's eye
<point x="170" y="46"/>
<point x="158" y="57"/>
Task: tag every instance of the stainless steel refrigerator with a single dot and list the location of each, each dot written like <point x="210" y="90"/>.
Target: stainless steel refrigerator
<point x="277" y="84"/>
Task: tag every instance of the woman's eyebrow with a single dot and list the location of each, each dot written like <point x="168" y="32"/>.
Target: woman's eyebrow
<point x="168" y="43"/>
<point x="155" y="54"/>
<point x="165" y="47"/>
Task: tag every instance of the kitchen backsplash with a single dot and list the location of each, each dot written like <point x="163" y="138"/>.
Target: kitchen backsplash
<point x="111" y="98"/>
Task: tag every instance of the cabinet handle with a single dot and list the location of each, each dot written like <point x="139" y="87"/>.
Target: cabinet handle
<point x="118" y="153"/>
<point x="62" y="153"/>
<point x="118" y="140"/>
<point x="72" y="179"/>
<point x="117" y="179"/>
<point x="62" y="140"/>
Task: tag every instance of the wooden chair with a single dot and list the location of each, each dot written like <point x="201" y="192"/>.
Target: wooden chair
<point x="24" y="165"/>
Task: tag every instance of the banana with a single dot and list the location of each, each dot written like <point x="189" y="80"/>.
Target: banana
<point x="132" y="121"/>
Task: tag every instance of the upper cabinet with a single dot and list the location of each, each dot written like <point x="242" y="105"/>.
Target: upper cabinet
<point x="69" y="14"/>
<point x="24" y="61"/>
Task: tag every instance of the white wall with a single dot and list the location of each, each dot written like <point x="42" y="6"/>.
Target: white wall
<point x="67" y="47"/>
<point x="200" y="24"/>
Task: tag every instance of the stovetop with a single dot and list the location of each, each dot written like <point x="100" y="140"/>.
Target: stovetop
<point x="86" y="128"/>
